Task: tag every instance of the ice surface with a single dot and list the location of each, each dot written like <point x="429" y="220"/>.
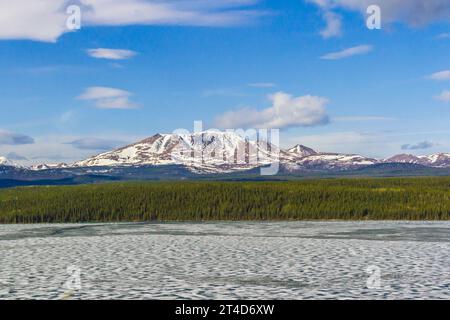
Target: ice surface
<point x="226" y="260"/>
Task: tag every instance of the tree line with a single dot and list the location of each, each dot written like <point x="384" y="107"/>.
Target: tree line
<point x="350" y="199"/>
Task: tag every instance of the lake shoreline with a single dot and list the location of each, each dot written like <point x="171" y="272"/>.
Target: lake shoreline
<point x="221" y="221"/>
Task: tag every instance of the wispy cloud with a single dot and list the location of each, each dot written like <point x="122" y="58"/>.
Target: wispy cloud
<point x="59" y="147"/>
<point x="418" y="146"/>
<point x="411" y="12"/>
<point x="111" y="54"/>
<point x="12" y="138"/>
<point x="262" y="85"/>
<point x="108" y="98"/>
<point x="286" y="111"/>
<point x="353" y="51"/>
<point x="45" y="20"/>
<point x="440" y="76"/>
<point x="362" y="118"/>
<point x="95" y="144"/>
<point x="444" y="96"/>
<point x="53" y="69"/>
<point x="444" y="35"/>
<point x="66" y="117"/>
<point x="171" y="12"/>
<point x="333" y="25"/>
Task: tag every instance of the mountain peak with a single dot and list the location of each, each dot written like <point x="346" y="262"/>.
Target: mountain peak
<point x="199" y="149"/>
<point x="151" y="139"/>
<point x="302" y="151"/>
<point x="6" y="162"/>
<point x="404" y="157"/>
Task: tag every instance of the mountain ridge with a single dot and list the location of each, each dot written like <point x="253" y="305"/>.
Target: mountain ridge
<point x="226" y="152"/>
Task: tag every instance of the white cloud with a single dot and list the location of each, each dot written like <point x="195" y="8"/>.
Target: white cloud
<point x="439" y="76"/>
<point x="286" y="111"/>
<point x="45" y="20"/>
<point x="334" y="25"/>
<point x="444" y="96"/>
<point x="358" y="50"/>
<point x="48" y="149"/>
<point x="411" y="12"/>
<point x="111" y="54"/>
<point x="34" y="20"/>
<point x="108" y="98"/>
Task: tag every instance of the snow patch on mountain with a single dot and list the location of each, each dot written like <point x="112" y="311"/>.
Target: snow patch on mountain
<point x="330" y="161"/>
<point x="8" y="163"/>
<point x="301" y="151"/>
<point x="49" y="166"/>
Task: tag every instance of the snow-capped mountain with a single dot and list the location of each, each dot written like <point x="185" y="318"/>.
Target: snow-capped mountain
<point x="434" y="160"/>
<point x="302" y="158"/>
<point x="223" y="152"/>
<point x="212" y="151"/>
<point x="440" y="160"/>
<point x="404" y="158"/>
<point x="49" y="166"/>
<point x="301" y="151"/>
<point x="154" y="150"/>
<point x="331" y="161"/>
<point x="204" y="151"/>
<point x="8" y="163"/>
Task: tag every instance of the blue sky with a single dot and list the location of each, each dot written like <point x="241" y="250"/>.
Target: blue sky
<point x="240" y="63"/>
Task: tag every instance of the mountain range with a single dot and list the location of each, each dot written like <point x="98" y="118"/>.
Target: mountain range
<point x="212" y="152"/>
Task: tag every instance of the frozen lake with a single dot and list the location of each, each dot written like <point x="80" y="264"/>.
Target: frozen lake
<point x="235" y="260"/>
